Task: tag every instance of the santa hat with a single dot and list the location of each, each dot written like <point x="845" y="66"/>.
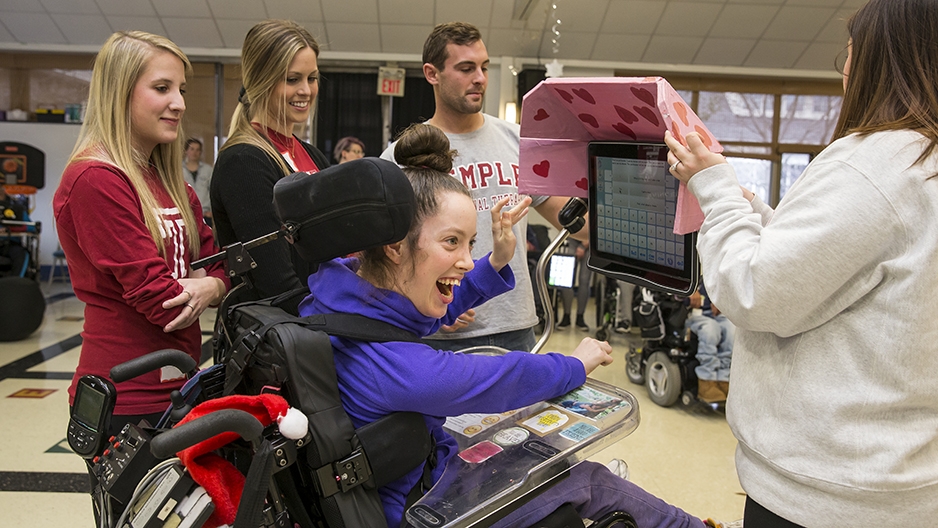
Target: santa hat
<point x="221" y="480"/>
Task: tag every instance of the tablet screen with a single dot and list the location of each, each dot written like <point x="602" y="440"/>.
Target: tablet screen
<point x="633" y="201"/>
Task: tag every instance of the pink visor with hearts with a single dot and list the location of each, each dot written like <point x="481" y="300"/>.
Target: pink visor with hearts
<point x="560" y="116"/>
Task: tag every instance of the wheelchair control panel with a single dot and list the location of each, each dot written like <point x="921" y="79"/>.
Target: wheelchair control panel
<point x="510" y="457"/>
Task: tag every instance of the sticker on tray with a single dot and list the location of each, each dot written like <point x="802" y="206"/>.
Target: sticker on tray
<point x="480" y="452"/>
<point x="511" y="436"/>
<point x="546" y="421"/>
<point x="589" y="403"/>
<point x="470" y="425"/>
<point x="579" y="431"/>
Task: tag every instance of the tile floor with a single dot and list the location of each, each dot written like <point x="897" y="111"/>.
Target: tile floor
<point x="683" y="455"/>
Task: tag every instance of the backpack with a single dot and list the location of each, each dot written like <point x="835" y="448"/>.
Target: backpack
<point x="334" y="481"/>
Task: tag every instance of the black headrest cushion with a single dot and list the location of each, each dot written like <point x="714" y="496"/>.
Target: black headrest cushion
<point x="346" y="208"/>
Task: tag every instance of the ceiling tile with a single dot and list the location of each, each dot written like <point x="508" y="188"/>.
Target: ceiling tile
<point x="406" y="12"/>
<point x="584" y="15"/>
<point x="363" y="38"/>
<point x="84" y="29"/>
<point x="193" y="32"/>
<point x="760" y="2"/>
<point x="316" y="28"/>
<point x="33" y="28"/>
<point x="404" y="38"/>
<point x="238" y="9"/>
<point x="125" y="7"/>
<point x="636" y="18"/>
<point x="724" y="51"/>
<point x="501" y="17"/>
<point x="570" y="45"/>
<point x="22" y="6"/>
<point x="819" y="56"/>
<point x="855" y="4"/>
<point x="182" y="9"/>
<point x="686" y="19"/>
<point x="233" y="31"/>
<point x="352" y="11"/>
<point x="6" y="36"/>
<point x="477" y="13"/>
<point x="775" y="54"/>
<point x="512" y="42"/>
<point x="672" y="50"/>
<point x="798" y="23"/>
<point x="743" y="21"/>
<point x="622" y="48"/>
<point x="149" y="24"/>
<point x="294" y="9"/>
<point x="836" y="28"/>
<point x="85" y="7"/>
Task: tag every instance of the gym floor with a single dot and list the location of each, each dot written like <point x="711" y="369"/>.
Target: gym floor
<point x="683" y="455"/>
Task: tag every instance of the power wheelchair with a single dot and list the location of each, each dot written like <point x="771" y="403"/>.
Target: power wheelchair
<point x="328" y="478"/>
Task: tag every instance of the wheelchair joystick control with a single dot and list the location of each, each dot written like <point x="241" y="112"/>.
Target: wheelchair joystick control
<point x="180" y="407"/>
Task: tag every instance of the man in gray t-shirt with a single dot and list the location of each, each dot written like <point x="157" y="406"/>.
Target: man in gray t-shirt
<point x="456" y="64"/>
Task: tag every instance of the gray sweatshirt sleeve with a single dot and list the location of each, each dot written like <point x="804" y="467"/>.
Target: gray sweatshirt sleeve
<point x="817" y="256"/>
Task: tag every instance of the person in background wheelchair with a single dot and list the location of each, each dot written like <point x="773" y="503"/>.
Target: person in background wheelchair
<point x="715" y="335"/>
<point x="413" y="284"/>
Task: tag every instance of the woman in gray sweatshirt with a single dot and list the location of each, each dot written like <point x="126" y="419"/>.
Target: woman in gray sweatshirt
<point x="834" y="397"/>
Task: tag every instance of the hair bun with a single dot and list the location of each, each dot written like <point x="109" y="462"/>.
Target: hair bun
<point x="424" y="146"/>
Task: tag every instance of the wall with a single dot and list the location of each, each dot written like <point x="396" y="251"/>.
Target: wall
<point x="57" y="141"/>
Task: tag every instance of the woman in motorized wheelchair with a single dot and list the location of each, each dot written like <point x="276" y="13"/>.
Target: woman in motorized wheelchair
<point x="411" y="284"/>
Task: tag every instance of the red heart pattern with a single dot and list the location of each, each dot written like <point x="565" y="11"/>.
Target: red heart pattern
<point x="647" y="113"/>
<point x="542" y="169"/>
<point x="583" y="184"/>
<point x="589" y="120"/>
<point x="624" y="130"/>
<point x="681" y="112"/>
<point x="541" y="114"/>
<point x="626" y="116"/>
<point x="676" y="132"/>
<point x="585" y="95"/>
<point x="644" y="96"/>
<point x="565" y="94"/>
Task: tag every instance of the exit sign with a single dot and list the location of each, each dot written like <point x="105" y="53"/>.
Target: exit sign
<point x="391" y="82"/>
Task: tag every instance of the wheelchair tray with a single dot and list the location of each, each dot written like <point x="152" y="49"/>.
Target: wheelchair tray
<point x="507" y="459"/>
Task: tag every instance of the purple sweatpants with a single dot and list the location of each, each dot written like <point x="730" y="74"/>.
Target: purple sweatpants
<point x="594" y="491"/>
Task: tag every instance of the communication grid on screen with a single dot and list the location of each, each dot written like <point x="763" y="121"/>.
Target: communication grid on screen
<point x="633" y="202"/>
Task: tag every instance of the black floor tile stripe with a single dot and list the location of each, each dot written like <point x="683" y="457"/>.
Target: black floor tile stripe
<point x="19" y="368"/>
<point x="45" y="482"/>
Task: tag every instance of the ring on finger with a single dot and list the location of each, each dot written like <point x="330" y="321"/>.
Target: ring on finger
<point x="190" y="295"/>
<point x="190" y="307"/>
<point x="678" y="162"/>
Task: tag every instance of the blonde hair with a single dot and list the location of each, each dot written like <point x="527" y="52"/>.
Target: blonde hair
<point x="268" y="50"/>
<point x="106" y="134"/>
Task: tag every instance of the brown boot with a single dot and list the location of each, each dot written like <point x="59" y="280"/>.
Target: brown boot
<point x="725" y="387"/>
<point x="709" y="391"/>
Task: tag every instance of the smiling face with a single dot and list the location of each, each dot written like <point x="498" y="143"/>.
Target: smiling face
<point x="461" y="84"/>
<point x="442" y="258"/>
<point x="157" y="103"/>
<point x="292" y="98"/>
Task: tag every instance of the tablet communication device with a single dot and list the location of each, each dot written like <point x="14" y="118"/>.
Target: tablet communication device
<point x="561" y="272"/>
<point x="633" y="201"/>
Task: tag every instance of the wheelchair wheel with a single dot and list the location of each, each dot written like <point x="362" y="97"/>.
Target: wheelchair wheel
<point x="634" y="369"/>
<point x="662" y="379"/>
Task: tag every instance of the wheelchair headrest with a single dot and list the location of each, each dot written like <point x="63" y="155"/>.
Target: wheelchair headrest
<point x="346" y="208"/>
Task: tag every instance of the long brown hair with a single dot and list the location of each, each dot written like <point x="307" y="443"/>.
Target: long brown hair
<point x="892" y="82"/>
<point x="268" y="50"/>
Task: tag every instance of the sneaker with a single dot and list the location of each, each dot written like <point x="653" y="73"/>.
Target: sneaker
<point x="619" y="468"/>
<point x="710" y="523"/>
<point x="564" y="323"/>
<point x="581" y="324"/>
<point x="623" y="327"/>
